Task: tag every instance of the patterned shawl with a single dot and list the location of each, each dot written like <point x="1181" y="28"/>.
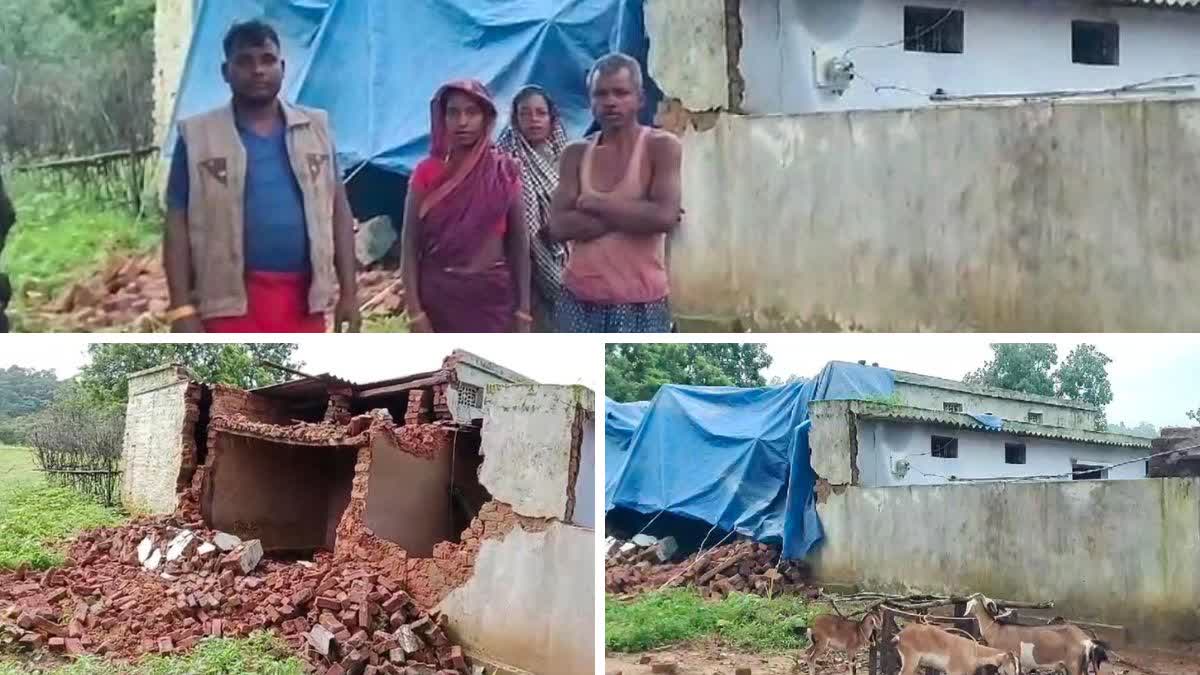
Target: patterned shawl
<point x="539" y="178"/>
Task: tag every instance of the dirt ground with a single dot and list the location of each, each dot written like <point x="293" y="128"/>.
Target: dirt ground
<point x="710" y="658"/>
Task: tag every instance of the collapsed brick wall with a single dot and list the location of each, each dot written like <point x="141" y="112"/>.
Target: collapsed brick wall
<point x="230" y="401"/>
<point x="191" y="426"/>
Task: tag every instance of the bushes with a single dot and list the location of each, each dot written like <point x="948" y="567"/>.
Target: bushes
<point x="78" y="444"/>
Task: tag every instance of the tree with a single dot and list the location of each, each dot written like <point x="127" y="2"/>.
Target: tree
<point x="1027" y="367"/>
<point x="634" y="372"/>
<point x="111" y="19"/>
<point x="1083" y="376"/>
<point x="1019" y="367"/>
<point x="24" y="390"/>
<point x="777" y="381"/>
<point x="105" y="378"/>
<point x="1143" y="429"/>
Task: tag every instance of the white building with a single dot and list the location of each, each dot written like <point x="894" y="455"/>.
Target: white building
<point x="914" y="53"/>
<point x="933" y="431"/>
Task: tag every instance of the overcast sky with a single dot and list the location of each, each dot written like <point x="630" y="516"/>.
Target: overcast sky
<point x="1155" y="378"/>
<point x="365" y="358"/>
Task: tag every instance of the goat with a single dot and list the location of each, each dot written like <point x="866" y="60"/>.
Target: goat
<point x="1059" y="645"/>
<point x="929" y="646"/>
<point x="849" y="636"/>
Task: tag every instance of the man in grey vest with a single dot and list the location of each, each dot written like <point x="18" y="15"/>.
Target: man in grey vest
<point x="259" y="235"/>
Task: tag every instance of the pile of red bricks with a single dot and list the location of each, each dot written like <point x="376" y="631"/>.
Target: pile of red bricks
<point x="744" y="566"/>
<point x="342" y="617"/>
<point x="131" y="291"/>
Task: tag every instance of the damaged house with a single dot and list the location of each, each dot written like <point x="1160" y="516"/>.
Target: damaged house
<point x="896" y="482"/>
<point x="447" y="480"/>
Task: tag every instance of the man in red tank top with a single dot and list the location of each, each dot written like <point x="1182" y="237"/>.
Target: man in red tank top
<point x="618" y="197"/>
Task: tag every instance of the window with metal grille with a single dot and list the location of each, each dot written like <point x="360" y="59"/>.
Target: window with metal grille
<point x="1014" y="453"/>
<point x="1095" y="43"/>
<point x="933" y="29"/>
<point x="470" y="395"/>
<point x="950" y="406"/>
<point x="1035" y="417"/>
<point x="943" y="447"/>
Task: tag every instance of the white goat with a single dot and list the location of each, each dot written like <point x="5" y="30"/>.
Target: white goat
<point x="922" y="645"/>
<point x="849" y="636"/>
<point x="1062" y="646"/>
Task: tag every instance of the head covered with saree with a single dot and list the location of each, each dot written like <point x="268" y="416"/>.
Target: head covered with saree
<point x="464" y="209"/>
<point x="475" y="192"/>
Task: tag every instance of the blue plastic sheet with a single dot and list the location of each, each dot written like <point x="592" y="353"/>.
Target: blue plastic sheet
<point x="993" y="422"/>
<point x="375" y="64"/>
<point x="620" y="421"/>
<point x="736" y="458"/>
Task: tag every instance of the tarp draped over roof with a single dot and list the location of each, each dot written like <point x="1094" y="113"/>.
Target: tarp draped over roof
<point x="735" y="458"/>
<point x="375" y="64"/>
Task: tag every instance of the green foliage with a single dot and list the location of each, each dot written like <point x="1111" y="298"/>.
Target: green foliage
<point x="1019" y="367"/>
<point x="105" y="378"/>
<point x="634" y="372"/>
<point x="35" y="518"/>
<point x="677" y="615"/>
<point x="76" y="75"/>
<point x="25" y="390"/>
<point x="1083" y="376"/>
<point x="892" y="399"/>
<point x="261" y="653"/>
<point x="63" y="235"/>
<point x="1029" y="367"/>
<point x="112" y="20"/>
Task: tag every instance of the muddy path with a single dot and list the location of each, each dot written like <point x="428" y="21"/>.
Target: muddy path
<point x="711" y="658"/>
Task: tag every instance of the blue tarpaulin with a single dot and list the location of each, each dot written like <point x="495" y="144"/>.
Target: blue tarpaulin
<point x="620" y="421"/>
<point x="735" y="458"/>
<point x="375" y="64"/>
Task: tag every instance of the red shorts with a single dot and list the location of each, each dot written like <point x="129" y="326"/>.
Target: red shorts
<point x="276" y="302"/>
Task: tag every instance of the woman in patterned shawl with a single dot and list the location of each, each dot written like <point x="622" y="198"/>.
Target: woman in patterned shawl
<point x="535" y="137"/>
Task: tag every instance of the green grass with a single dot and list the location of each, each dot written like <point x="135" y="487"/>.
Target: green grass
<point x="260" y="654"/>
<point x="385" y="324"/>
<point x="35" y="518"/>
<point x="740" y="620"/>
<point x="62" y="235"/>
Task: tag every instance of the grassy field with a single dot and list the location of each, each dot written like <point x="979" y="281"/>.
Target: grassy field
<point x="63" y="235"/>
<point x="35" y="519"/>
<point x="743" y="621"/>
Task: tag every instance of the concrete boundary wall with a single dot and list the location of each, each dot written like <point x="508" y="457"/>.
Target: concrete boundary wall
<point x="1116" y="552"/>
<point x="1033" y="217"/>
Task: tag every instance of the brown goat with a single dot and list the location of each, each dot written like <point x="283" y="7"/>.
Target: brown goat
<point x="923" y="645"/>
<point x="849" y="636"/>
<point x="1060" y="646"/>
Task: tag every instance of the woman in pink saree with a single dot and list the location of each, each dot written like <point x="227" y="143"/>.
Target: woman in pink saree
<point x="466" y="247"/>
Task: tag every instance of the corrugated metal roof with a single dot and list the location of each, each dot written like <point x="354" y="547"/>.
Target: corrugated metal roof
<point x="870" y="410"/>
<point x="1159" y="3"/>
<point x="304" y="387"/>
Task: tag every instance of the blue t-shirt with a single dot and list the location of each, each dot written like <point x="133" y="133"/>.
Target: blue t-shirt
<point x="276" y="230"/>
